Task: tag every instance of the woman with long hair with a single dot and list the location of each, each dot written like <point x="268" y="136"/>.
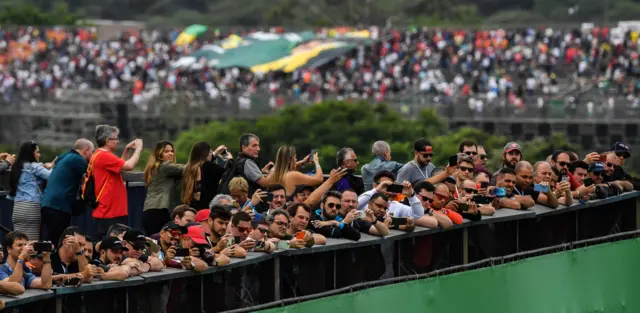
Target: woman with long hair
<point x="201" y="176"/>
<point x="162" y="178"/>
<point x="285" y="171"/>
<point x="26" y="181"/>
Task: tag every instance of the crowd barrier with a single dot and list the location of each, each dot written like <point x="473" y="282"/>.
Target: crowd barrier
<point x="262" y="278"/>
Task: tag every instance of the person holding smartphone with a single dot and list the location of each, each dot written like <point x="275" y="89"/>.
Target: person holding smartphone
<point x="19" y="248"/>
<point x="347" y="159"/>
<point x="526" y="191"/>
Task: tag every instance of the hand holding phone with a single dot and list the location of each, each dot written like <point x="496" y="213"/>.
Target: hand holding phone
<point x="395" y="188"/>
<point x="182" y="252"/>
<point x="541" y="188"/>
<point x="453" y="160"/>
<point x="42" y="246"/>
<point x="398" y="221"/>
<point x="588" y="182"/>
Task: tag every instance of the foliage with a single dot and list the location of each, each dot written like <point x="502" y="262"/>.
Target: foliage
<point x="332" y="125"/>
<point x="29" y="14"/>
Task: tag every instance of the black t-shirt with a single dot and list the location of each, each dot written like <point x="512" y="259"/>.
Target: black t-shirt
<point x="528" y="191"/>
<point x="210" y="175"/>
<point x="60" y="267"/>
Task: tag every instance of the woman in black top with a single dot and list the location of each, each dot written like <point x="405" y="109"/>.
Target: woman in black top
<point x="202" y="175"/>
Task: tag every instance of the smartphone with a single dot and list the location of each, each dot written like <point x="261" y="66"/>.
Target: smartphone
<point x="500" y="192"/>
<point x="237" y="240"/>
<point x="231" y="241"/>
<point x="283" y="244"/>
<point x="74" y="281"/>
<point x="362" y="215"/>
<point x="260" y="244"/>
<point x="565" y="178"/>
<point x="182" y="252"/>
<point x="588" y="182"/>
<point x="300" y="235"/>
<point x="395" y="188"/>
<point x="480" y="199"/>
<point x="223" y="152"/>
<point x="541" y="188"/>
<point x="453" y="160"/>
<point x="463" y="207"/>
<point x="312" y="153"/>
<point x="603" y="158"/>
<point x="268" y="198"/>
<point x="484" y="185"/>
<point x="398" y="221"/>
<point x="43" y="246"/>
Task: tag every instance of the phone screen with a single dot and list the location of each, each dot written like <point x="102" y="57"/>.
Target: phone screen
<point x="268" y="198"/>
<point x="588" y="182"/>
<point x="398" y="221"/>
<point x="182" y="252"/>
<point x="43" y="246"/>
<point x="484" y="185"/>
<point x="453" y="160"/>
<point x="540" y="188"/>
<point x="395" y="188"/>
<point x="565" y="178"/>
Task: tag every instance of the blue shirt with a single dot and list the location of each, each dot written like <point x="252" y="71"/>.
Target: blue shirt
<point x="64" y="182"/>
<point x="27" y="276"/>
<point x="31" y="179"/>
<point x="378" y="164"/>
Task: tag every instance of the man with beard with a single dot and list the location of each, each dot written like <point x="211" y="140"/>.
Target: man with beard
<point x="420" y="168"/>
<point x="109" y="267"/>
<point x="525" y="189"/>
<point x="349" y="214"/>
<point x="218" y="221"/>
<point x="510" y="157"/>
<point x="560" y="162"/>
<point x="324" y="220"/>
<point x="507" y="180"/>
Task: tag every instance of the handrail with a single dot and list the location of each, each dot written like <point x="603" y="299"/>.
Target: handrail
<point x="504" y="215"/>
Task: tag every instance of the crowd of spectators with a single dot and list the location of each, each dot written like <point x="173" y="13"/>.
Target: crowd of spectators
<point x="217" y="207"/>
<point x="515" y="67"/>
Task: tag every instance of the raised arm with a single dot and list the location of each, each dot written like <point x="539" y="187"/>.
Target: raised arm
<point x="130" y="164"/>
<point x="314" y="198"/>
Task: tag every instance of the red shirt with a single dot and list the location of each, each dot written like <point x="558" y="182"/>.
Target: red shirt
<point x="112" y="202"/>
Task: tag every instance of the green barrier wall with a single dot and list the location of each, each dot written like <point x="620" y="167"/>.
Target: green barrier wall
<point x="600" y="278"/>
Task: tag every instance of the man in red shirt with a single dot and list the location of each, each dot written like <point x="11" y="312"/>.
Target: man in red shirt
<point x="111" y="191"/>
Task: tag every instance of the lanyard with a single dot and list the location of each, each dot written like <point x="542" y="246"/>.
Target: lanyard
<point x="419" y="170"/>
<point x="517" y="191"/>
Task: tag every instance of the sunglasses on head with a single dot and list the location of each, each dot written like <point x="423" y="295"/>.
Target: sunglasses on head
<point x="471" y="153"/>
<point x="336" y="205"/>
<point x="470" y="190"/>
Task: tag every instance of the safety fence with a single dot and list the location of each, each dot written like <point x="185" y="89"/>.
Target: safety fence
<point x="263" y="278"/>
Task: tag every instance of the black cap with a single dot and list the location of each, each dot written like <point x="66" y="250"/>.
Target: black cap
<point x="301" y="188"/>
<point x="136" y="237"/>
<point x="620" y="147"/>
<point x="173" y="226"/>
<point x="113" y="243"/>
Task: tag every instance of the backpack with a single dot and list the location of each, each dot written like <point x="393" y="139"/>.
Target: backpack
<point x="231" y="171"/>
<point x="89" y="186"/>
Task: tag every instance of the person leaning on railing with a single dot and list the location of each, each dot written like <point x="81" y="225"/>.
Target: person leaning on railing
<point x="162" y="178"/>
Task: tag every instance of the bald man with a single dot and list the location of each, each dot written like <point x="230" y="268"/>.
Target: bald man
<point x="59" y="198"/>
<point x="525" y="187"/>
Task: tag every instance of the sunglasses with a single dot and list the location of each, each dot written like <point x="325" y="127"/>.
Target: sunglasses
<point x="471" y="153"/>
<point x="264" y="231"/>
<point x="611" y="165"/>
<point x="470" y="190"/>
<point x="563" y="163"/>
<point x="620" y="154"/>
<point x="439" y="196"/>
<point x="243" y="229"/>
<point x="427" y="155"/>
<point x="280" y="223"/>
<point x="382" y="206"/>
<point x="483" y="157"/>
<point x="354" y="160"/>
<point x="466" y="169"/>
<point x="336" y="205"/>
<point x="425" y="198"/>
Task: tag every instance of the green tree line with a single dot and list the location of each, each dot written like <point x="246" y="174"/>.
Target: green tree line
<point x="330" y="126"/>
<point x="307" y="13"/>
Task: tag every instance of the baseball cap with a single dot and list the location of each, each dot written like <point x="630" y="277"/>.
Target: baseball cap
<point x="512" y="146"/>
<point x="113" y="243"/>
<point x="136" y="237"/>
<point x="596" y="167"/>
<point x="202" y="215"/>
<point x="301" y="188"/>
<point x="173" y="226"/>
<point x="196" y="233"/>
<point x="620" y="147"/>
